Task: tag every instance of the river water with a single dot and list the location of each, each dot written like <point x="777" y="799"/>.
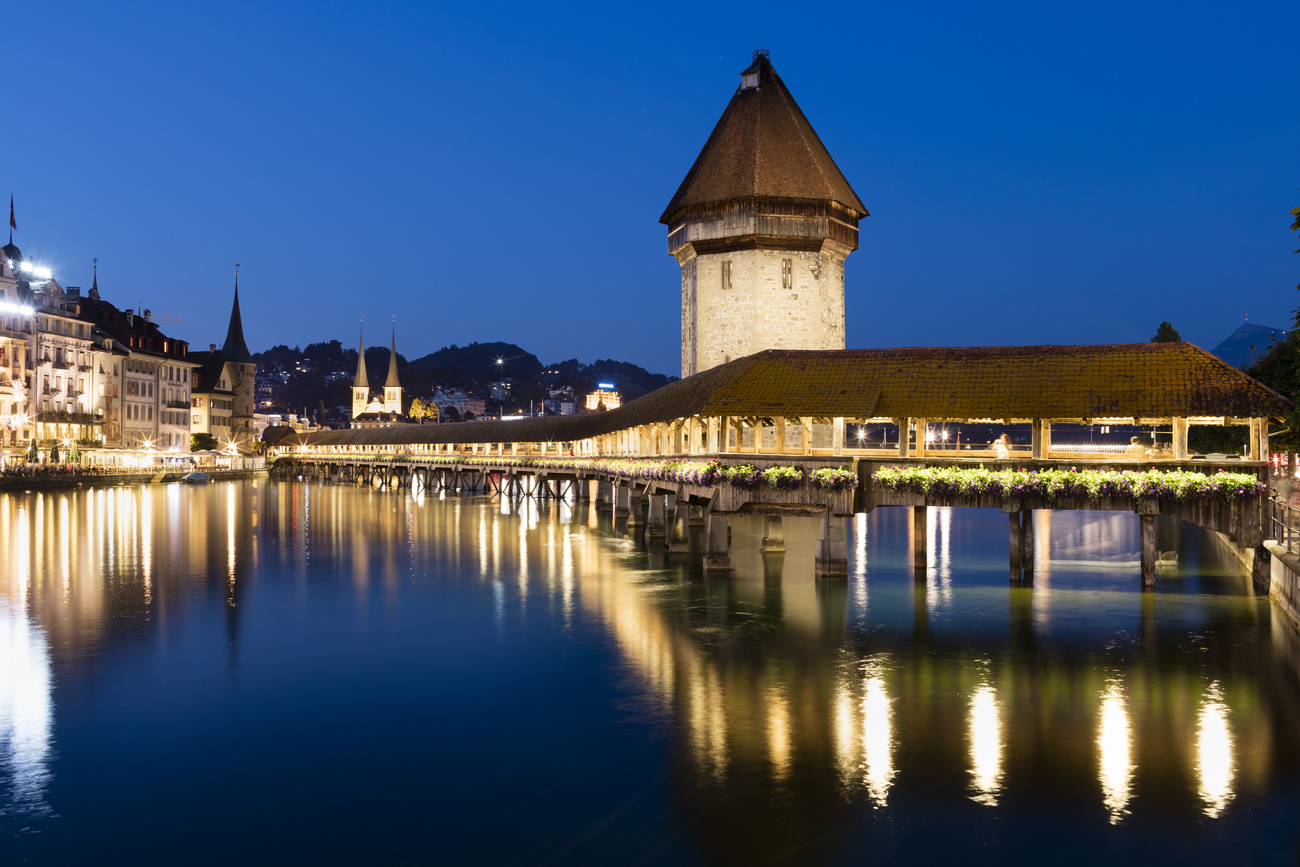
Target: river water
<point x="272" y="673"/>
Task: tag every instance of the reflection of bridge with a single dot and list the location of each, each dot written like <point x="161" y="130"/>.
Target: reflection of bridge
<point x="780" y="407"/>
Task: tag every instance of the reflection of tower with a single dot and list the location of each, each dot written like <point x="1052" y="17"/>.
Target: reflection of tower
<point x="761" y="226"/>
<point x="393" y="388"/>
<point x="361" y="385"/>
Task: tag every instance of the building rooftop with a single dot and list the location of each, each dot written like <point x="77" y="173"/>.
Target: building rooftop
<point x="763" y="147"/>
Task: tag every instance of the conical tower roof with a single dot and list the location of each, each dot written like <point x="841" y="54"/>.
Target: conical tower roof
<point x="235" y="348"/>
<point x="362" y="380"/>
<point x="392" y="382"/>
<point x="763" y="147"/>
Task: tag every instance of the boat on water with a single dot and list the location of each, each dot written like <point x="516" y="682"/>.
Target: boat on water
<point x="196" y="478"/>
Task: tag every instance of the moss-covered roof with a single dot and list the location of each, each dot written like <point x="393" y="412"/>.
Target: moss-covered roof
<point x="1145" y="380"/>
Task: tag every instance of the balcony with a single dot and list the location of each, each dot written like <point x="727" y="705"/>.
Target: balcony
<point x="178" y="404"/>
<point x="63" y="365"/>
<point x="69" y="417"/>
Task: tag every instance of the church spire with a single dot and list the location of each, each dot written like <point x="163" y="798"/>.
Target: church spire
<point x="362" y="380"/>
<point x="235" y="349"/>
<point x="392" y="382"/>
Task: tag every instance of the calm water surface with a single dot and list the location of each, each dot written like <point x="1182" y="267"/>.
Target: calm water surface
<point x="276" y="673"/>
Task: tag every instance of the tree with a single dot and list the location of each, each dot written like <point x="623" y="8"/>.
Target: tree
<point x="1279" y="369"/>
<point x="200" y="442"/>
<point x="417" y="410"/>
<point x="451" y="412"/>
<point x="1166" y="333"/>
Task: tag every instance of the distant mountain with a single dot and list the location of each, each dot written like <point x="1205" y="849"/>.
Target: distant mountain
<point x="478" y="359"/>
<point x="1235" y="349"/>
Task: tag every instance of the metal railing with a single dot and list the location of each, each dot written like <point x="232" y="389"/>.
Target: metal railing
<point x="1284" y="524"/>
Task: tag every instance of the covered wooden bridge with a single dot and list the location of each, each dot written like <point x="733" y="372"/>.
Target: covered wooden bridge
<point x="811" y="408"/>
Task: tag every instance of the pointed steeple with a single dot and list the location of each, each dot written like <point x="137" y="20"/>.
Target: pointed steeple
<point x="362" y="380"/>
<point x="235" y="348"/>
<point x="762" y="148"/>
<point x="392" y="382"/>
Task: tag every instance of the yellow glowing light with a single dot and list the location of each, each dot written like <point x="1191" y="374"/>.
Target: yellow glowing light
<point x="1214" y="753"/>
<point x="1114" y="742"/>
<point x="877" y="741"/>
<point x="985" y="746"/>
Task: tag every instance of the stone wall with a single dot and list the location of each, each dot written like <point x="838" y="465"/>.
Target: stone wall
<point x="758" y="311"/>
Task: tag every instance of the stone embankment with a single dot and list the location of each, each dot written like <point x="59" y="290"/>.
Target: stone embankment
<point x="64" y="481"/>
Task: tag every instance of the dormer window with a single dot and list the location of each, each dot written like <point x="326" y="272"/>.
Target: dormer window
<point x="748" y="80"/>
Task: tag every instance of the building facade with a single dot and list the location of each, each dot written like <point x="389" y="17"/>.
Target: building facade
<point x="761" y="227"/>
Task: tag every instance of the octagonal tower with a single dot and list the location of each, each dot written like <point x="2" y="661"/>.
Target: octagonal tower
<point x="761" y="226"/>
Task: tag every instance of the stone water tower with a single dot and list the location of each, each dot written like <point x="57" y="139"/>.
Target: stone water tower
<point x="761" y="227"/>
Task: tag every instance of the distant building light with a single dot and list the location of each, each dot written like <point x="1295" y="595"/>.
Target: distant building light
<point x="605" y="385"/>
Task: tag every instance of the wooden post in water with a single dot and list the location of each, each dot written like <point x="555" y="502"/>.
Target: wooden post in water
<point x="1012" y="508"/>
<point x="919" y="541"/>
<point x="634" y="506"/>
<point x="715" y="551"/>
<point x="621" y="500"/>
<point x="1148" y="549"/>
<point x="679" y="537"/>
<point x="1026" y="542"/>
<point x="654" y="525"/>
<point x="832" y="549"/>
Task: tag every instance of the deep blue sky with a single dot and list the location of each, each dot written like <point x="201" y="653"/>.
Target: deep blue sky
<point x="1042" y="173"/>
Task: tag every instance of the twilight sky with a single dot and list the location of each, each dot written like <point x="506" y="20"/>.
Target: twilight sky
<point x="1044" y="173"/>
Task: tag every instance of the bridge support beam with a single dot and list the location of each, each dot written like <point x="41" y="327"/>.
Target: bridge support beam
<point x="773" y="535"/>
<point x="832" y="549"/>
<point x="621" y="500"/>
<point x="604" y="495"/>
<point x="1020" y="541"/>
<point x="654" y="525"/>
<point x="679" y="538"/>
<point x="1147" y="521"/>
<point x="715" y="552"/>
<point x="697" y="516"/>
<point x="920" y="529"/>
<point x="635" y="503"/>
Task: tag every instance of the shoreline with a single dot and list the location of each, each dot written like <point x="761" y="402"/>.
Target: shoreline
<point x="110" y="480"/>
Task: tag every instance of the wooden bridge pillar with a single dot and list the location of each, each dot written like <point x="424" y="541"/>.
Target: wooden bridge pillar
<point x="832" y="549"/>
<point x="1020" y="541"/>
<point x="621" y="500"/>
<point x="715" y="551"/>
<point x="773" y="535"/>
<point x="654" y="524"/>
<point x="920" y="544"/>
<point x="679" y="537"/>
<point x="635" y="503"/>
<point x="604" y="496"/>
<point x="1147" y="522"/>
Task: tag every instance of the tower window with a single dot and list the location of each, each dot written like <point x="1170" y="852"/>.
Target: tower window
<point x="726" y="274"/>
<point x="787" y="274"/>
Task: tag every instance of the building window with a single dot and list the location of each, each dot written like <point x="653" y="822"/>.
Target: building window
<point x="726" y="274"/>
<point x="787" y="274"/>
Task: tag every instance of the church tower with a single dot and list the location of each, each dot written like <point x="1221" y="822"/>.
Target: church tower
<point x="242" y="427"/>
<point x="393" y="388"/>
<point x="361" y="385"/>
<point x="761" y="226"/>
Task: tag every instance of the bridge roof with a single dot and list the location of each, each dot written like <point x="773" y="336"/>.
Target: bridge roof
<point x="1143" y="380"/>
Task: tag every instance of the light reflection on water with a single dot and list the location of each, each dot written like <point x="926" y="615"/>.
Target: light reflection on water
<point x="887" y="693"/>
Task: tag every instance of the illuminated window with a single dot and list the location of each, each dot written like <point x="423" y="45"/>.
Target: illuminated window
<point x="726" y="275"/>
<point x="787" y="273"/>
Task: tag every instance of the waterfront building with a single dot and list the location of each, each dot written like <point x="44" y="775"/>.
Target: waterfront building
<point x="222" y="397"/>
<point x="15" y="353"/>
<point x="761" y="226"/>
<point x="140" y="377"/>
